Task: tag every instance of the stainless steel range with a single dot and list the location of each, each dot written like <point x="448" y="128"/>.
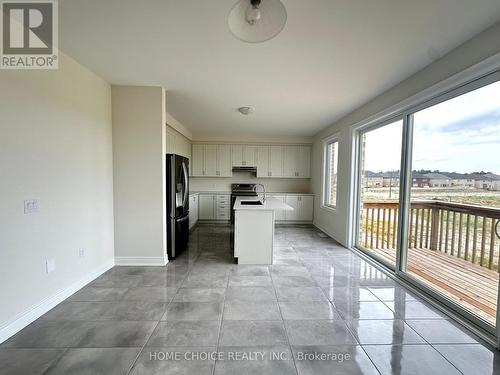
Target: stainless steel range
<point x="241" y="190"/>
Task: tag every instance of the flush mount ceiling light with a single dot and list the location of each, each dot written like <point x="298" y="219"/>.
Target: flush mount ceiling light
<point x="245" y="110"/>
<point x="256" y="21"/>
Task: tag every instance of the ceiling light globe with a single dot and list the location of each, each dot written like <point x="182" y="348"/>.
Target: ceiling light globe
<point x="252" y="15"/>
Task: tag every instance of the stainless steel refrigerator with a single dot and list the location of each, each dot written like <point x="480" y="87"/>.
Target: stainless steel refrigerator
<point x="177" y="204"/>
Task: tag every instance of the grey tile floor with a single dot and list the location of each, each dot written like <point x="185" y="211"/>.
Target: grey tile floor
<point x="320" y="309"/>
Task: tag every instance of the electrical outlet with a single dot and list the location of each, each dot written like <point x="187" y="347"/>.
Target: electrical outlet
<point x="81" y="252"/>
<point x="50" y="265"/>
<point x="31" y="206"/>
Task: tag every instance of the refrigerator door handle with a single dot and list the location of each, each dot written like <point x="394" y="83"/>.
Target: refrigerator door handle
<point x="180" y="220"/>
<point x="186" y="188"/>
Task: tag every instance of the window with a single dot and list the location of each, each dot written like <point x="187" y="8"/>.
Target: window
<point x="380" y="153"/>
<point x="330" y="173"/>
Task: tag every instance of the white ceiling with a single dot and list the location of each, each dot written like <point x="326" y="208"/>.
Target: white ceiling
<point x="332" y="56"/>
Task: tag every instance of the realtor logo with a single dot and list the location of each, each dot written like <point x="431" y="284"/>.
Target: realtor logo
<point x="29" y="35"/>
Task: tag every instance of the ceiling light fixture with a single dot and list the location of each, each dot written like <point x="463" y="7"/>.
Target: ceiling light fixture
<point x="246" y="110"/>
<point x="255" y="21"/>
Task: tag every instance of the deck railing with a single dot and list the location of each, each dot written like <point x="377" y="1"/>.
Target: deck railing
<point x="461" y="230"/>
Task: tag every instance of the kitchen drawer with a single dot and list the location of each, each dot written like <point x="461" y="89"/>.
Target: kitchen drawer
<point x="222" y="215"/>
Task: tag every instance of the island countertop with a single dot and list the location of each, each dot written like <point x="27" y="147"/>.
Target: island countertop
<point x="269" y="204"/>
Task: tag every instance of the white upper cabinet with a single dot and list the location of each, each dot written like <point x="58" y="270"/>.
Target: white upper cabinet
<point x="244" y="156"/>
<point x="290" y="161"/>
<point x="275" y="161"/>
<point x="224" y="166"/>
<point x="171" y="140"/>
<point x="304" y="162"/>
<point x="177" y="143"/>
<point x="210" y="160"/>
<point x="237" y="155"/>
<point x="198" y="162"/>
<point x="263" y="161"/>
<point x="272" y="161"/>
<point x="297" y="161"/>
<point x="250" y="156"/>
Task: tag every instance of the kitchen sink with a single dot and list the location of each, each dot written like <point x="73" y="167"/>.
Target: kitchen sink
<point x="251" y="203"/>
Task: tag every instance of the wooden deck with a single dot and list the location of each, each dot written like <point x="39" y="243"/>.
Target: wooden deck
<point x="471" y="285"/>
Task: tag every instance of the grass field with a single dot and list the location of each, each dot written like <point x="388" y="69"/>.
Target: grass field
<point x="452" y="194"/>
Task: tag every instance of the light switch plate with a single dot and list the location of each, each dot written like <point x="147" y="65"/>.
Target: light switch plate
<point x="81" y="252"/>
<point x="31" y="206"/>
<point x="50" y="265"/>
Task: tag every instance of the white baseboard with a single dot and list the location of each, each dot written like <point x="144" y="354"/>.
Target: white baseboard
<point x="11" y="327"/>
<point x="141" y="261"/>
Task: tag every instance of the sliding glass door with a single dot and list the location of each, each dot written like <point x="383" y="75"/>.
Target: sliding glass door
<point x="380" y="153"/>
<point x="446" y="241"/>
<point x="455" y="200"/>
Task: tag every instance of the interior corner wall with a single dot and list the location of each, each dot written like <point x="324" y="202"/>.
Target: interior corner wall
<point x="139" y="174"/>
<point x="56" y="147"/>
<point x="335" y="223"/>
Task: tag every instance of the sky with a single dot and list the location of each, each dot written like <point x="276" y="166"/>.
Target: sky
<point x="460" y="135"/>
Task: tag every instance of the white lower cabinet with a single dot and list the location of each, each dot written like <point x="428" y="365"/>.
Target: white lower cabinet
<point x="302" y="207"/>
<point x="193" y="210"/>
<point x="217" y="207"/>
<point x="206" y="207"/>
<point x="280" y="215"/>
<point x="214" y="207"/>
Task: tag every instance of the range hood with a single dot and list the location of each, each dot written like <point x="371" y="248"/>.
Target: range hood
<point x="245" y="169"/>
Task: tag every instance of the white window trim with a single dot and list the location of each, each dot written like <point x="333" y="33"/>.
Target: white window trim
<point x="326" y="142"/>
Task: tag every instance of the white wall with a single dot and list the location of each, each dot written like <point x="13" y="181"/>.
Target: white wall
<point x="55" y="146"/>
<point x="278" y="185"/>
<point x="139" y="118"/>
<point x="335" y="222"/>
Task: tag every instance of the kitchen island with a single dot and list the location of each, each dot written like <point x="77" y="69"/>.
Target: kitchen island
<point x="254" y="229"/>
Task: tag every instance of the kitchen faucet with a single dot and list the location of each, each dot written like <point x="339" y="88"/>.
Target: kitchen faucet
<point x="263" y="190"/>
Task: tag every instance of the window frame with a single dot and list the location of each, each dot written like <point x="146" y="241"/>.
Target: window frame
<point x="325" y="173"/>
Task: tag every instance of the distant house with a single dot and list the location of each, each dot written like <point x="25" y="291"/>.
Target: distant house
<point x="419" y="180"/>
<point x="460" y="179"/>
<point x="390" y="179"/>
<point x="487" y="181"/>
<point x="372" y="179"/>
<point x="496" y="181"/>
<point x="438" y="180"/>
